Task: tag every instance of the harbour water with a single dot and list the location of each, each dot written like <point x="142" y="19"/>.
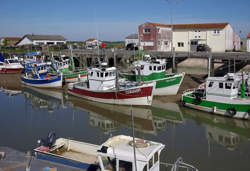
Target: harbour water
<point x="204" y="140"/>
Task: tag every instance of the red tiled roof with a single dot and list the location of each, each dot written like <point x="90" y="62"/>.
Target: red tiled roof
<point x="248" y="35"/>
<point x="193" y="26"/>
<point x="12" y="38"/>
<point x="90" y="40"/>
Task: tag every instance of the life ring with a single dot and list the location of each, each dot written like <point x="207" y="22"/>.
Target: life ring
<point x="231" y="111"/>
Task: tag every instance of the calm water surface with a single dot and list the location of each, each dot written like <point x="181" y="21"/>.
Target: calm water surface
<point x="206" y="141"/>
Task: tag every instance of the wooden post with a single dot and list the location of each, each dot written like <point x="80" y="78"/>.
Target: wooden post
<point x="173" y="60"/>
<point x="209" y="64"/>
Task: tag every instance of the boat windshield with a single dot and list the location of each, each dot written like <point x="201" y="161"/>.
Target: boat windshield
<point x="110" y="164"/>
<point x="11" y="61"/>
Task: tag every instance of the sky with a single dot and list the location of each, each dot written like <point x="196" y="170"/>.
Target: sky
<point x="113" y="20"/>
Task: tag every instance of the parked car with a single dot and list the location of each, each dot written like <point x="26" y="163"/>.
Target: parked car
<point x="131" y="46"/>
<point x="202" y="48"/>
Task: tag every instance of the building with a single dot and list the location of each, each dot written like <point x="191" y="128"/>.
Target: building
<point x="220" y="37"/>
<point x="132" y="39"/>
<point x="32" y="39"/>
<point x="9" y="41"/>
<point x="248" y="42"/>
<point x="92" y="43"/>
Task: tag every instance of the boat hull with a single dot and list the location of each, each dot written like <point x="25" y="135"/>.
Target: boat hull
<point x="141" y="95"/>
<point x="242" y="111"/>
<point x="54" y="82"/>
<point x="70" y="78"/>
<point x="165" y="86"/>
<point x="11" y="70"/>
<point x="64" y="161"/>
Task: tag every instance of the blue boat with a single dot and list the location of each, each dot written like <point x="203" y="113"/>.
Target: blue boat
<point x="38" y="75"/>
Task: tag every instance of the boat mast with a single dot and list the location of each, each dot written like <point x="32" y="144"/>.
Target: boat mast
<point x="133" y="133"/>
<point x="72" y="59"/>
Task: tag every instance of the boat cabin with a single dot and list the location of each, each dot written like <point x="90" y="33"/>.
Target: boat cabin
<point x="102" y="78"/>
<point x="11" y="61"/>
<point x="149" y="67"/>
<point x="218" y="88"/>
<point x="117" y="153"/>
<point x="38" y="70"/>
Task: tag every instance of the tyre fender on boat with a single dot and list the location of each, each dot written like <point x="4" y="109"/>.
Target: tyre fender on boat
<point x="197" y="100"/>
<point x="231" y="111"/>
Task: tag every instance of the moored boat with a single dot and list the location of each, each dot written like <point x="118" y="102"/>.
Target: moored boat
<point x="102" y="86"/>
<point x="10" y="65"/>
<point x="117" y="153"/>
<point x="37" y="75"/>
<point x="155" y="70"/>
<point x="220" y="96"/>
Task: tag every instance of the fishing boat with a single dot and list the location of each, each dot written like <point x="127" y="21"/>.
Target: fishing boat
<point x="220" y="96"/>
<point x="103" y="86"/>
<point x="155" y="70"/>
<point x="38" y="75"/>
<point x="10" y="65"/>
<point x="120" y="152"/>
<point x="62" y="64"/>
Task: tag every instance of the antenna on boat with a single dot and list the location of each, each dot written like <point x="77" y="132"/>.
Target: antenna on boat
<point x="72" y="58"/>
<point x="133" y="133"/>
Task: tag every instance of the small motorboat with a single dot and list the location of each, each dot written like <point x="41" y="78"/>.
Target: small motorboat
<point x="11" y="65"/>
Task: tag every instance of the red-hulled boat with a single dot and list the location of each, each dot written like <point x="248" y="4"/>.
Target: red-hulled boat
<point x="10" y="65"/>
<point x="102" y="86"/>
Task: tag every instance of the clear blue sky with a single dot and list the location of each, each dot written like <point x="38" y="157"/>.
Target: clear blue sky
<point x="114" y="19"/>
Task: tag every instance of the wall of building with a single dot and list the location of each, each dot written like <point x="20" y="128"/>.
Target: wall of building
<point x="163" y="38"/>
<point x="25" y="41"/>
<point x="128" y="41"/>
<point x="216" y="39"/>
<point x="229" y="37"/>
<point x="248" y="44"/>
<point x="147" y="40"/>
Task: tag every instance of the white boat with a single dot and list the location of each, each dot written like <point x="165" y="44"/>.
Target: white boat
<point x="220" y="96"/>
<point x="10" y="65"/>
<point x="117" y="153"/>
<point x="102" y="86"/>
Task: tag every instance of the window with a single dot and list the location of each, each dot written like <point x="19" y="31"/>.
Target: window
<point x="156" y="157"/>
<point x="106" y="74"/>
<point x="220" y="85"/>
<point x="180" y="44"/>
<point x="147" y="30"/>
<point x="150" y="163"/>
<point x="159" y="43"/>
<point x="145" y="168"/>
<point x="150" y="68"/>
<point x="158" y="30"/>
<point x="228" y="85"/>
<point x="98" y="74"/>
<point x="91" y="73"/>
<point x="154" y="68"/>
<point x="125" y="165"/>
<point x="216" y="31"/>
<point x="210" y="84"/>
<point x="194" y="42"/>
<point x="159" y="68"/>
<point x="166" y="43"/>
<point x="101" y="74"/>
<point x="163" y="67"/>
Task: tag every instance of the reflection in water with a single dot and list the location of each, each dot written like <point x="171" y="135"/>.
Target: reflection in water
<point x="9" y="84"/>
<point x="43" y="98"/>
<point x="227" y="132"/>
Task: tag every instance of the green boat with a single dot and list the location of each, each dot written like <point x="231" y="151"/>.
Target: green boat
<point x="155" y="70"/>
<point x="220" y="96"/>
<point x="70" y="75"/>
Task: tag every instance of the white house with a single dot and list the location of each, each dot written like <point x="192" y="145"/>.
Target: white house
<point x="92" y="43"/>
<point x="248" y="42"/>
<point x="132" y="39"/>
<point x="31" y="39"/>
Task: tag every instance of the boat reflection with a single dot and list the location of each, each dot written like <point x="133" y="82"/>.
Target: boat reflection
<point x="227" y="132"/>
<point x="10" y="84"/>
<point x="147" y="120"/>
<point x="44" y="98"/>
